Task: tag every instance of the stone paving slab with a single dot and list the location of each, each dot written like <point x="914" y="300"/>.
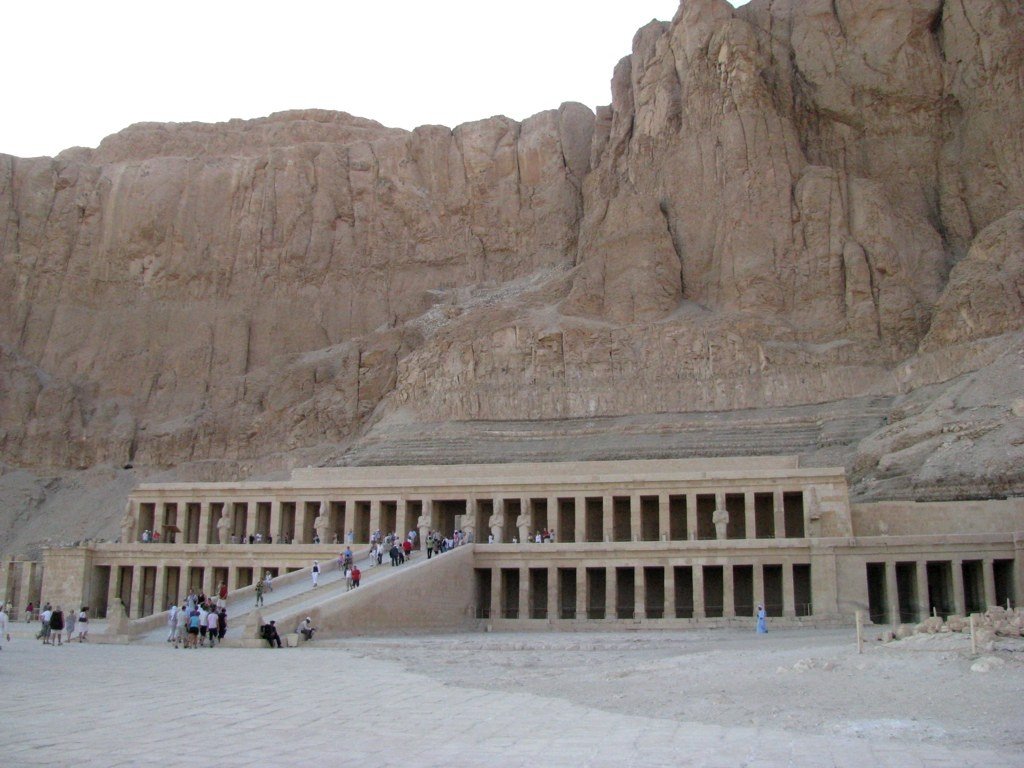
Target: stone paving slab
<point x="106" y="705"/>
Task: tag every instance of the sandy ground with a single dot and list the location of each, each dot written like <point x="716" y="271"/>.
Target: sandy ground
<point x="811" y="681"/>
<point x="702" y="698"/>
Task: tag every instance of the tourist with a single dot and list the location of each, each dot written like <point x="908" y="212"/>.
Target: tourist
<point x="259" y="593"/>
<point x="56" y="624"/>
<point x="348" y="579"/>
<point x="5" y="625"/>
<point x="349" y="538"/>
<point x="181" y="626"/>
<point x="172" y="622"/>
<point x="202" y="613"/>
<point x="316" y="573"/>
<point x="407" y="548"/>
<point x="69" y="625"/>
<point x="193" y="629"/>
<point x="29" y="610"/>
<point x="490" y="538"/>
<point x="306" y="628"/>
<point x="212" y="626"/>
<point x="83" y="624"/>
<point x="356" y="574"/>
<point x="430" y="545"/>
<point x="269" y="633"/>
<point x="268" y="582"/>
<point x="222" y="595"/>
<point x="762" y="620"/>
<point x="222" y="624"/>
<point x="44" y="624"/>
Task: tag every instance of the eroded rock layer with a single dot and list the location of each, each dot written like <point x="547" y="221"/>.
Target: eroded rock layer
<point x="786" y="204"/>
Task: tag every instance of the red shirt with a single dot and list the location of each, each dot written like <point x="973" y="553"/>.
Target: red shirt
<point x="355" y="574"/>
<point x="407" y="546"/>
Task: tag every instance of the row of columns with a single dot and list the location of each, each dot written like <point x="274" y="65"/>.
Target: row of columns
<point x="639" y="590"/>
<point x="923" y="606"/>
<point x="160" y="592"/>
<point x="500" y="523"/>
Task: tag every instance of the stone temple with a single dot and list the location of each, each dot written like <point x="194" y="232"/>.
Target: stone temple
<point x="753" y="333"/>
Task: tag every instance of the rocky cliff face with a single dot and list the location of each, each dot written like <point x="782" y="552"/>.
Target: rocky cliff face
<point x="784" y="204"/>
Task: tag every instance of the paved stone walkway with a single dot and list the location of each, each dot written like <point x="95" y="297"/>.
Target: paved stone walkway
<point x="109" y="705"/>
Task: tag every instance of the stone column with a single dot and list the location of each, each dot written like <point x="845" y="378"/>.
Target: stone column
<point x="610" y="591"/>
<point x="300" y="522"/>
<point x="204" y="522"/>
<point x="554" y="517"/>
<point x="208" y="584"/>
<point x="160" y="589"/>
<point x="924" y="609"/>
<point x="749" y="517"/>
<point x="525" y="521"/>
<point x="779" y="511"/>
<point x="639" y="590"/>
<point x="581" y="592"/>
<point x="892" y="593"/>
<point x="758" y="584"/>
<point x="113" y="591"/>
<point x="664" y="517"/>
<point x="697" y="570"/>
<point x="133" y="611"/>
<point x="989" y="579"/>
<point x="729" y="593"/>
<point x="553" y="602"/>
<point x="183" y="581"/>
<point x="608" y="517"/>
<point x="496" y="612"/>
<point x="959" y="604"/>
<point x="636" y="532"/>
<point x="524" y="593"/>
<point x="375" y="517"/>
<point x="691" y="517"/>
<point x="496" y="522"/>
<point x="275" y="520"/>
<point x="670" y="591"/>
<point x="250" y="519"/>
<point x="402" y="521"/>
<point x="232" y="582"/>
<point x="788" y="596"/>
<point x="580" y="518"/>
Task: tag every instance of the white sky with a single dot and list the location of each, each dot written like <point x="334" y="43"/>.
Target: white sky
<point x="75" y="72"/>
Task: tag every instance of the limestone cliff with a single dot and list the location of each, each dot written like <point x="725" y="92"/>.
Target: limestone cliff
<point x="790" y="203"/>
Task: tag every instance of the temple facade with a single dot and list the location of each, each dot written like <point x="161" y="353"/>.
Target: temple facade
<point x="669" y="543"/>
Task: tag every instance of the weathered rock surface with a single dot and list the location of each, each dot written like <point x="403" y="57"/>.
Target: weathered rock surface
<point x="785" y="204"/>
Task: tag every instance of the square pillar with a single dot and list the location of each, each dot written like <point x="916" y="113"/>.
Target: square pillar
<point x="554" y="609"/>
<point x="728" y="592"/>
<point x="639" y="588"/>
<point x="250" y="519"/>
<point x="133" y="609"/>
<point x="182" y="582"/>
<point x="779" y="511"/>
<point x="160" y="589"/>
<point x="232" y="582"/>
<point x="425" y="523"/>
<point x="610" y="591"/>
<point x="208" y="584"/>
<point x="697" y="570"/>
<point x="892" y="593"/>
<point x="750" y="520"/>
<point x="375" y="517"/>
<point x="670" y="591"/>
<point x="402" y="523"/>
<point x="581" y="592"/>
<point x="113" y="589"/>
<point x="959" y="604"/>
<point x="608" y="514"/>
<point x="691" y="527"/>
<point x="924" y="608"/>
<point x="300" y="522"/>
<point x="495" y="593"/>
<point x="788" y="595"/>
<point x="989" y="580"/>
<point x="635" y="531"/>
<point x="204" y="522"/>
<point x="758" y="584"/>
<point x="664" y="524"/>
<point x="524" y="593"/>
<point x="580" y="519"/>
<point x="275" y="520"/>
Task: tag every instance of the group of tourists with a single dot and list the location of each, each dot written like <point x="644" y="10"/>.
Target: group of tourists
<point x="198" y="621"/>
<point x="56" y="627"/>
<point x="150" y="537"/>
